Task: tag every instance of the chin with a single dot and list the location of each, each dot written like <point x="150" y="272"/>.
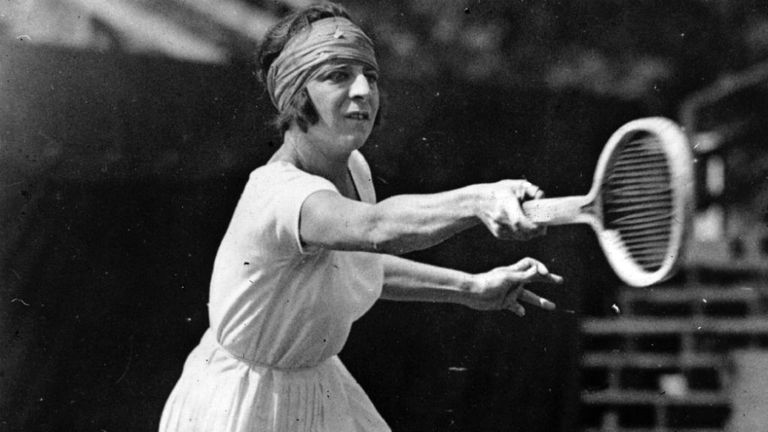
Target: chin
<point x="356" y="141"/>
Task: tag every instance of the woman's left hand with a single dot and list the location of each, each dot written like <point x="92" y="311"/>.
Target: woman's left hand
<point x="503" y="287"/>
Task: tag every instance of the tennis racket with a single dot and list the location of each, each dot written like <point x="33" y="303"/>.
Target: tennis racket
<point x="640" y="202"/>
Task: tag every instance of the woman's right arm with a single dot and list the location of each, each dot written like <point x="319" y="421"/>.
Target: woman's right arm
<point x="406" y="223"/>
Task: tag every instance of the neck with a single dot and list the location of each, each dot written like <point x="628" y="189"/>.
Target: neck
<point x="310" y="154"/>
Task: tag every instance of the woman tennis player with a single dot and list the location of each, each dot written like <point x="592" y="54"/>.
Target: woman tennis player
<point x="309" y="250"/>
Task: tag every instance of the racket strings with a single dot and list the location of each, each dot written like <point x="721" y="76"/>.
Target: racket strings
<point x="638" y="202"/>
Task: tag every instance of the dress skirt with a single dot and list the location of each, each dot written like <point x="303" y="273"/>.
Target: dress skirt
<point x="219" y="392"/>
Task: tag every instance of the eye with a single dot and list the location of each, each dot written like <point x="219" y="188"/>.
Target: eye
<point x="372" y="77"/>
<point x="338" y="75"/>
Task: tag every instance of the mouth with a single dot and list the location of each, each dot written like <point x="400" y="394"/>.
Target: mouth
<point x="359" y="116"/>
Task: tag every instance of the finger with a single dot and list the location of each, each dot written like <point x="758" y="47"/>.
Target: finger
<point x="524" y="264"/>
<point x="524" y="189"/>
<point x="519" y="225"/>
<point x="532" y="191"/>
<point x="530" y="274"/>
<point x="542" y="269"/>
<point x="514" y="212"/>
<point x="555" y="278"/>
<point x="512" y="293"/>
<point x="517" y="309"/>
<point x="528" y="229"/>
<point x="543" y="274"/>
<point x="525" y="224"/>
<point x="510" y="297"/>
<point x="536" y="300"/>
<point x="547" y="278"/>
<point x="527" y="232"/>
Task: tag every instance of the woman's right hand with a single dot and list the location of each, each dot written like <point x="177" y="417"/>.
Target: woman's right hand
<point x="501" y="209"/>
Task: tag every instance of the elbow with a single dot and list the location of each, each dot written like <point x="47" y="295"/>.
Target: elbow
<point x="389" y="247"/>
<point x="380" y="240"/>
<point x="382" y="237"/>
<point x="387" y="234"/>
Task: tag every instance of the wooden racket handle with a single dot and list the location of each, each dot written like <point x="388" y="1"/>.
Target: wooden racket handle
<point x="556" y="211"/>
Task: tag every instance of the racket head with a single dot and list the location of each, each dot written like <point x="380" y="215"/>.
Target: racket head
<point x="643" y="199"/>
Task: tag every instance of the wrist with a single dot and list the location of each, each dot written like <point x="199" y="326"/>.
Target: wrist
<point x="478" y="199"/>
<point x="468" y="288"/>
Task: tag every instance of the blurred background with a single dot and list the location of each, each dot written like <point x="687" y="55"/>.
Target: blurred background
<point x="128" y="129"/>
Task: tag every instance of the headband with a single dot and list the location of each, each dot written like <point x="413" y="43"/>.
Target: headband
<point x="327" y="39"/>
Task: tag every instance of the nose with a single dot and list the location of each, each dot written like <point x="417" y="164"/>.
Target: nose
<point x="360" y="87"/>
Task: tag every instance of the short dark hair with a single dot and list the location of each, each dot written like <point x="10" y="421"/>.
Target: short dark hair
<point x="300" y="108"/>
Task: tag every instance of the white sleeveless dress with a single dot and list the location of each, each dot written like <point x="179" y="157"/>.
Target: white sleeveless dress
<point x="279" y="315"/>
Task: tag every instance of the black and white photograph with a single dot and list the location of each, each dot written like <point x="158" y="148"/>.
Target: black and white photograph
<point x="383" y="216"/>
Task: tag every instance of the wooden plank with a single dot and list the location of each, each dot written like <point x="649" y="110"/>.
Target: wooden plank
<point x="671" y="326"/>
<point x="746" y="291"/>
<point x="639" y="397"/>
<point x="660" y="429"/>
<point x="651" y="360"/>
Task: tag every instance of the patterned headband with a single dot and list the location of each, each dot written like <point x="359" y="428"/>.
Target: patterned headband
<point x="326" y="39"/>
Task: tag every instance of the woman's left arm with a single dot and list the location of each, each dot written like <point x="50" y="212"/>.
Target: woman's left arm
<point x="500" y="288"/>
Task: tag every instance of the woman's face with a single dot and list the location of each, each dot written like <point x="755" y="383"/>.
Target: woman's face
<point x="346" y="97"/>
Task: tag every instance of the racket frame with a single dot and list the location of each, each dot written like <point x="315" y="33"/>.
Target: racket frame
<point x="587" y="209"/>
